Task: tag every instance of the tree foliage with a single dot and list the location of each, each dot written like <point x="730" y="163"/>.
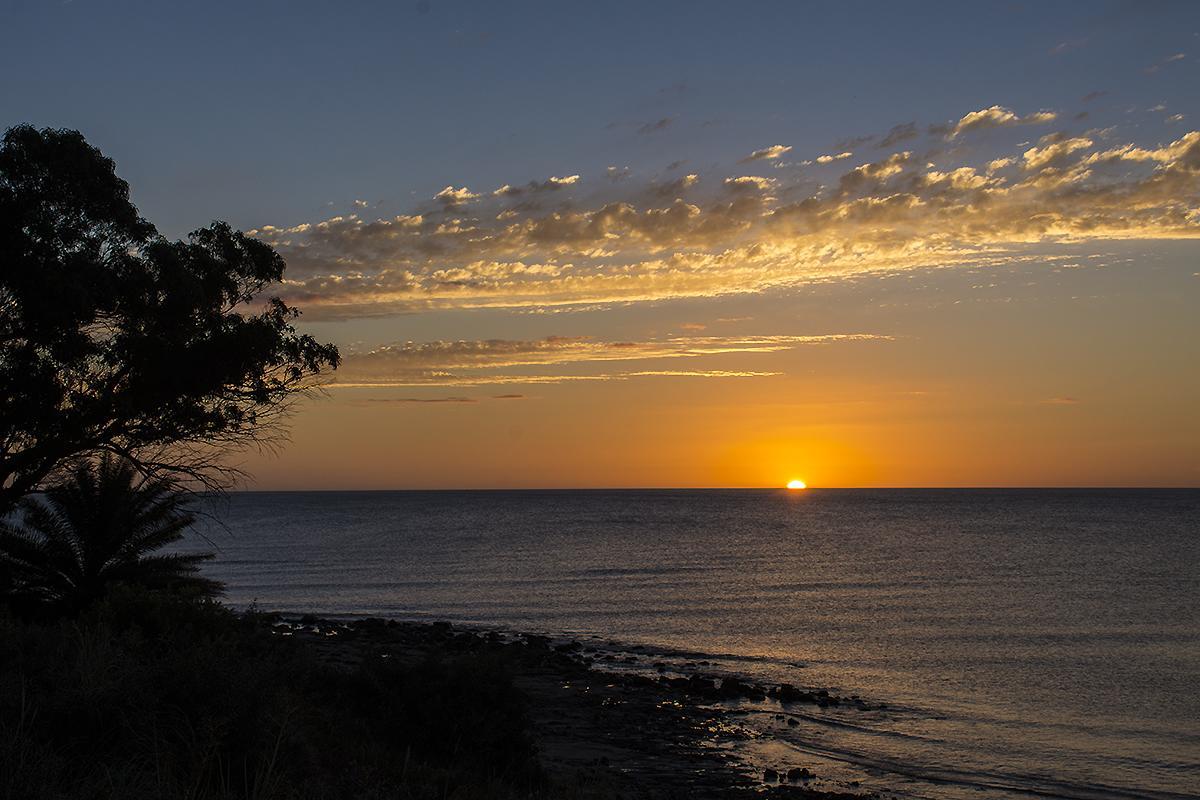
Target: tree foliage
<point x="114" y="339"/>
<point x="101" y="527"/>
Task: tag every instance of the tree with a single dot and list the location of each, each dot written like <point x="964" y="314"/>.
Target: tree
<point x="99" y="527"/>
<point x="115" y="340"/>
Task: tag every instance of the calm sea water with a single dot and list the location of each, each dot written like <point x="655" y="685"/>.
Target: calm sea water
<point x="1024" y="641"/>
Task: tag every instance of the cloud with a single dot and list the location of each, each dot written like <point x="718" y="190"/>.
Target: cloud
<point x="899" y="133"/>
<point x="837" y="157"/>
<point x="1053" y="149"/>
<point x="421" y="400"/>
<point x="1090" y="96"/>
<point x="641" y="241"/>
<point x="451" y="197"/>
<point x="997" y="117"/>
<point x="678" y="186"/>
<point x="551" y="184"/>
<point x="657" y="126"/>
<point x="1150" y="70"/>
<point x="1179" y="158"/>
<point x="467" y="363"/>
<point x="1060" y="401"/>
<point x="537" y="380"/>
<point x="1070" y="44"/>
<point x="508" y="397"/>
<point x="754" y="182"/>
<point x="768" y="153"/>
<point x="852" y="142"/>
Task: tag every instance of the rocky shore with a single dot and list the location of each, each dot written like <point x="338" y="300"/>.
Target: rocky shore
<point x="609" y="723"/>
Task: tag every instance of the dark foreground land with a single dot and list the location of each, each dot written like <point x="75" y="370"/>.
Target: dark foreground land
<point x="145" y="698"/>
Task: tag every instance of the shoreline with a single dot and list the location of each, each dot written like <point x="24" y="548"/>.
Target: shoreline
<point x="605" y="722"/>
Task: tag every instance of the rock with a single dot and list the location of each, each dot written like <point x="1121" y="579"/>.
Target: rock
<point x="792" y="722"/>
<point x="786" y="693"/>
<point x="799" y="774"/>
<point x="734" y="688"/>
<point x="770" y="775"/>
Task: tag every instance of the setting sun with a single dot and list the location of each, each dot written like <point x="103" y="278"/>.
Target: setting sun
<point x="797" y="484"/>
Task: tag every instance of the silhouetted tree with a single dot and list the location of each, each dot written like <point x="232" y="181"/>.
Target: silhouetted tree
<point x="102" y="526"/>
<point x="114" y="339"/>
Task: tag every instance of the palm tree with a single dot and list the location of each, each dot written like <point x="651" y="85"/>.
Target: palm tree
<point x="100" y="527"/>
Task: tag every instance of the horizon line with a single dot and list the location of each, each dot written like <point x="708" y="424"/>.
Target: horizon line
<point x="1080" y="487"/>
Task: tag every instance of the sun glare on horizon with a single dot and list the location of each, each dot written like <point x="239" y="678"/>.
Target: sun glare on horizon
<point x="797" y="484"/>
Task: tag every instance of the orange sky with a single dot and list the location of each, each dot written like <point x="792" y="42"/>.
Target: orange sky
<point x="1031" y="375"/>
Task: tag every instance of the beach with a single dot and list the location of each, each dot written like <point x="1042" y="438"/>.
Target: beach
<point x="607" y="723"/>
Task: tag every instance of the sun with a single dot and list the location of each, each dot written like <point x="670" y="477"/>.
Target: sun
<point x="797" y="484"/>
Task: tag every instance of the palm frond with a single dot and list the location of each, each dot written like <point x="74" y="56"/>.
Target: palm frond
<point x="98" y="527"/>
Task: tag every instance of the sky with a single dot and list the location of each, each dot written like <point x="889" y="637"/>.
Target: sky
<point x="682" y="244"/>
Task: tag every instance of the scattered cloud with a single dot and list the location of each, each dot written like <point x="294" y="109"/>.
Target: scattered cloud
<point x="1068" y="45"/>
<point x="678" y="186"/>
<point x="422" y="400"/>
<point x="1153" y="68"/>
<point x="854" y="142"/>
<point x="753" y="182"/>
<point x="452" y="197"/>
<point x="644" y="241"/>
<point x="657" y="126"/>
<point x="899" y="133"/>
<point x="997" y="117"/>
<point x="768" y="153"/>
<point x="829" y="159"/>
<point x="1053" y="149"/>
<point x="549" y="185"/>
<point x="467" y="363"/>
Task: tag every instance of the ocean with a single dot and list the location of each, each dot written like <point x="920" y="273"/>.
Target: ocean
<point x="1024" y="642"/>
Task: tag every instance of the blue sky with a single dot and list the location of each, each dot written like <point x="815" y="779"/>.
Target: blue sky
<point x="267" y="111"/>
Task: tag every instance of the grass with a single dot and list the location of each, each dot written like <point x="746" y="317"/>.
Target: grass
<point x="149" y="697"/>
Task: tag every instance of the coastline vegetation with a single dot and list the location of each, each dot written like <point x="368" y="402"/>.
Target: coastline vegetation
<point x="132" y="366"/>
<point x="149" y="695"/>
